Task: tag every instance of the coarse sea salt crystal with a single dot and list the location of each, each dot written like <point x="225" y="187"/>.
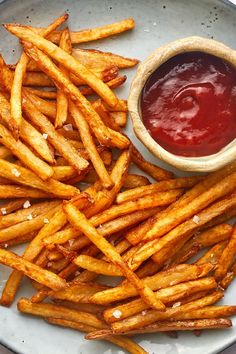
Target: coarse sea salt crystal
<point x="3" y="211"/>
<point x="6" y="245"/>
<point x="45" y="136"/>
<point x="117" y="314"/>
<point x="154" y="23"/>
<point x="23" y="100"/>
<point x="68" y="127"/>
<point x="71" y="242"/>
<point x="46" y="221"/>
<point x="77" y="273"/>
<point x="196" y="219"/>
<point x="15" y="172"/>
<point x="30" y="217"/>
<point x="176" y="304"/>
<point x="26" y="204"/>
<point x="144" y="312"/>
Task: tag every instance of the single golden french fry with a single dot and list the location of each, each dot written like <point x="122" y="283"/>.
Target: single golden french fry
<point x="16" y="191"/>
<point x="79" y="221"/>
<point x="32" y="271"/>
<point x="66" y="60"/>
<point x="62" y="100"/>
<point x="98" y="266"/>
<point x="49" y="95"/>
<point x="227" y="257"/>
<point x="96" y="33"/>
<point x="41" y="168"/>
<point x="184" y="325"/>
<point x="27" y="132"/>
<point x="113" y="83"/>
<point x="213" y="254"/>
<point x="175" y="313"/>
<point x="164" y="279"/>
<point x="11" y="206"/>
<point x="184" y="182"/>
<point x="94" y="58"/>
<point x="89" y="144"/>
<point x="50" y="310"/>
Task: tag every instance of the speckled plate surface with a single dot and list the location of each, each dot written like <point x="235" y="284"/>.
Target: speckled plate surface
<point x="157" y="22"/>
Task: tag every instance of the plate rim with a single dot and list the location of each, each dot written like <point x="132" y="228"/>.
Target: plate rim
<point x="223" y="347"/>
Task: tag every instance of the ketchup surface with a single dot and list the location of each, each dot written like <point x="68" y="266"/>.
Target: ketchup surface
<point x="188" y="104"/>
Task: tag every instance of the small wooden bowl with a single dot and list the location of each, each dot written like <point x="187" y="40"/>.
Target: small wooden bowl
<point x="145" y="69"/>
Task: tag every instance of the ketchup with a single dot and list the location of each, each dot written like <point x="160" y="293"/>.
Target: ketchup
<point x="188" y="104"/>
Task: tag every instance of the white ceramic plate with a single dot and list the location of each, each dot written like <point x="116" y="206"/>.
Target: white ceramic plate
<point x="157" y="22"/>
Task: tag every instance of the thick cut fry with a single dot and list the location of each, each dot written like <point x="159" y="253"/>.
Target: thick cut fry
<point x="227" y="257"/>
<point x="95" y="58"/>
<point x="164" y="279"/>
<point x="79" y="221"/>
<point x="174" y="293"/>
<point x="23" y="176"/>
<point x="27" y="132"/>
<point x="66" y="60"/>
<point x="162" y="186"/>
<point x="15" y="191"/>
<point x="176" y="313"/>
<point x="16" y="110"/>
<point x="31" y="270"/>
<point x="57" y="140"/>
<point x="187" y="325"/>
<point x="104" y="135"/>
<point x="62" y="100"/>
<point x="123" y="342"/>
<point x="41" y="168"/>
<point x="89" y="144"/>
<point x="183" y="231"/>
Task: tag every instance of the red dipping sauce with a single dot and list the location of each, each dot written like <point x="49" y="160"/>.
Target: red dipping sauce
<point x="188" y="104"/>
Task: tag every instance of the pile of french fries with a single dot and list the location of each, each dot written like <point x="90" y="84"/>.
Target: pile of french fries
<point x="82" y="214"/>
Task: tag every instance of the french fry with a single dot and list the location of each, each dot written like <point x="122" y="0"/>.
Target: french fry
<point x="27" y="132"/>
<point x="120" y="118"/>
<point x="62" y="100"/>
<point x="94" y="58"/>
<point x="113" y="83"/>
<point x="79" y="221"/>
<point x="5" y="152"/>
<point x="187" y="325"/>
<point x="96" y="33"/>
<point x="11" y="206"/>
<point x="19" y="240"/>
<point x="154" y="171"/>
<point x="175" y="313"/>
<point x="228" y="278"/>
<point x="41" y="168"/>
<point x="184" y="182"/>
<point x="104" y="134"/>
<point x="66" y="60"/>
<point x="24" y="176"/>
<point x="45" y="107"/>
<point x="88" y="142"/>
<point x="98" y="266"/>
<point x="16" y="191"/>
<point x="213" y="254"/>
<point x="123" y="342"/>
<point x="31" y="270"/>
<point x="49" y="95"/>
<point x="227" y="257"/>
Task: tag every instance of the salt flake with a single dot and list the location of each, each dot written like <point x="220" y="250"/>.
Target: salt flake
<point x="45" y="136"/>
<point x="196" y="219"/>
<point x="117" y="314"/>
<point x="71" y="242"/>
<point x="176" y="304"/>
<point x="30" y="217"/>
<point x="144" y="312"/>
<point x="15" y="172"/>
<point x="26" y="204"/>
<point x="68" y="127"/>
<point x="3" y="211"/>
<point x="46" y="221"/>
